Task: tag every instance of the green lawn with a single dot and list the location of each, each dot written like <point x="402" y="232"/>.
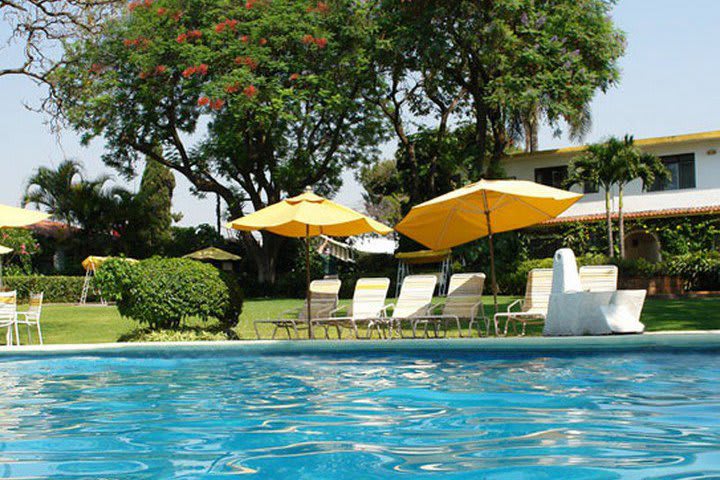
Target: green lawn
<point x="95" y="324"/>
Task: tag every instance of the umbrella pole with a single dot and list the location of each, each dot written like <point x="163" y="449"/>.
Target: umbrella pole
<point x="307" y="279"/>
<point x="492" y="251"/>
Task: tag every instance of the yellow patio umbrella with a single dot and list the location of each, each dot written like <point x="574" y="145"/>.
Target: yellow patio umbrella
<point x="309" y="215"/>
<point x="482" y="209"/>
<point x="19" y="217"/>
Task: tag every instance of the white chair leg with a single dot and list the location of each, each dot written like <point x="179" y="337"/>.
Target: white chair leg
<point x="17" y="334"/>
<point x="39" y="332"/>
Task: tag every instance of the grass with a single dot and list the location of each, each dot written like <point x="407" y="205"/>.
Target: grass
<point x="95" y="324"/>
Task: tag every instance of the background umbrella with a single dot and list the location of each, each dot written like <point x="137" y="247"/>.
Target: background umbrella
<point x="19" y="217"/>
<point x="309" y="215"/>
<point x="483" y="209"/>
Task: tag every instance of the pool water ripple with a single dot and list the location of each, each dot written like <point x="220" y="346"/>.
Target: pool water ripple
<point x="365" y="416"/>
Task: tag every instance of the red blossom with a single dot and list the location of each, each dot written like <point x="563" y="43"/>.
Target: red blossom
<point x="144" y="75"/>
<point x="203" y="101"/>
<point x="202" y="69"/>
<point x="220" y="27"/>
<point x="129" y="42"/>
<point x="321" y="42"/>
<point x="181" y="38"/>
<point x="250" y="91"/>
<point x="160" y="69"/>
<point x="234" y="88"/>
<point x="188" y="72"/>
<point x="194" y="34"/>
<point x="177" y="15"/>
<point x="321" y="7"/>
<point x="247" y="61"/>
<point x="96" y="68"/>
<point x="161" y="11"/>
<point x="231" y="24"/>
<point x="294" y="76"/>
<point x="217" y="104"/>
<point x="133" y="5"/>
<point x="263" y="41"/>
<point x="249" y="4"/>
<point x="148" y="3"/>
<point x="244" y="39"/>
<point x="308" y="39"/>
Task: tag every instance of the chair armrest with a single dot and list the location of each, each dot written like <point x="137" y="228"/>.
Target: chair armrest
<point x="434" y="306"/>
<point x="290" y="311"/>
<point x="383" y="311"/>
<point x="519" y="301"/>
<point x="341" y="308"/>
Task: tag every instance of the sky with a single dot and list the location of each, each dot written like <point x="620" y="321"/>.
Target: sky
<point x="669" y="86"/>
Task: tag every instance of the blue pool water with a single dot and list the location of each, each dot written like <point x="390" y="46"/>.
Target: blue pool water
<point x="362" y="416"/>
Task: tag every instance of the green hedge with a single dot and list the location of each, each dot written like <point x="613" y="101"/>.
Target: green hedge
<point x="57" y="289"/>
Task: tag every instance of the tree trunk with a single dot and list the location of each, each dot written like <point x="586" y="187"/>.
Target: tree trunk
<point x="621" y="222"/>
<point x="218" y="213"/>
<point x="608" y="217"/>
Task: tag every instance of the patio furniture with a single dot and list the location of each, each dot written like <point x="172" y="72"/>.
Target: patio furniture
<point x="323" y="300"/>
<point x="573" y="310"/>
<point x="533" y="308"/>
<point x="8" y="316"/>
<point x="414" y="302"/>
<point x="31" y="317"/>
<point x="368" y="303"/>
<point x="464" y="300"/>
<point x="599" y="278"/>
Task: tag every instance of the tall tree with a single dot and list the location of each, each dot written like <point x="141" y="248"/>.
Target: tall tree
<point x="517" y="61"/>
<point x="154" y="198"/>
<point x="248" y="100"/>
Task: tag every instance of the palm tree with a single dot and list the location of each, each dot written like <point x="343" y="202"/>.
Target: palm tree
<point x="634" y="163"/>
<point x="615" y="162"/>
<point x="597" y="166"/>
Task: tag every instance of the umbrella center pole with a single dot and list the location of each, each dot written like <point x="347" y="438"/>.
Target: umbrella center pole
<point x="492" y="252"/>
<point x="307" y="281"/>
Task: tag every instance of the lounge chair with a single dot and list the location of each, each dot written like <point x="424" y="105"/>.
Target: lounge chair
<point x="324" y="299"/>
<point x="31" y="316"/>
<point x="414" y="302"/>
<point x="534" y="307"/>
<point x="368" y="303"/>
<point x="599" y="278"/>
<point x="463" y="300"/>
<point x="8" y="316"/>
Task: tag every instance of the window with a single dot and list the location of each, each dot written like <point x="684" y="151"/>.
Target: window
<point x="552" y="176"/>
<point x="682" y="170"/>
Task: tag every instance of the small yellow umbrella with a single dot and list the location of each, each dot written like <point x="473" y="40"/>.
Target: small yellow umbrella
<point x="481" y="209"/>
<point x="309" y="215"/>
<point x="19" y="217"/>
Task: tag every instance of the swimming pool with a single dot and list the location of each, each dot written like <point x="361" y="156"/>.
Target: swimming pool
<point x="406" y="412"/>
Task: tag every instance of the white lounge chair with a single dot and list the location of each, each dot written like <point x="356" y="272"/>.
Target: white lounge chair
<point x="368" y="303"/>
<point x="8" y="316"/>
<point x="599" y="278"/>
<point x="533" y="309"/>
<point x="414" y="302"/>
<point x="324" y="299"/>
<point x="463" y="301"/>
<point x="31" y="317"/>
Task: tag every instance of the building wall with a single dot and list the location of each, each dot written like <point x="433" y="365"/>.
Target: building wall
<point x="705" y="193"/>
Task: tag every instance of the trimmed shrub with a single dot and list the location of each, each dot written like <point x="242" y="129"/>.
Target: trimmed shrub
<point x="56" y="289"/>
<point x="163" y="292"/>
<point x="113" y="277"/>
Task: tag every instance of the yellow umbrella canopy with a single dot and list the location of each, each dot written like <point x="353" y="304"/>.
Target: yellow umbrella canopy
<point x="309" y="215"/>
<point x="19" y="217"/>
<point x="5" y="250"/>
<point x="481" y="209"/>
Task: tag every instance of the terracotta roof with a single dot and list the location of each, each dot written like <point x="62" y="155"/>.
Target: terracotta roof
<point x="642" y="142"/>
<point x="668" y="212"/>
<point x="51" y="229"/>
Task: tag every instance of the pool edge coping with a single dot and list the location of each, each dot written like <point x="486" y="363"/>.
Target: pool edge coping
<point x="650" y="340"/>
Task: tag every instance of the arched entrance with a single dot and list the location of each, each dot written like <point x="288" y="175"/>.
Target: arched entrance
<point x="640" y="244"/>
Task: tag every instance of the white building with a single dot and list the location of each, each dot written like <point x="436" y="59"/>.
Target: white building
<point x="694" y="189"/>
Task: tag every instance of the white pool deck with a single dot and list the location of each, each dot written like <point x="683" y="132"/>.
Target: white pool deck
<point x="686" y="340"/>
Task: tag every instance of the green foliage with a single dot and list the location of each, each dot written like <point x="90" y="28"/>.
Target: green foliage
<point x="162" y="292"/>
<point x="187" y="334"/>
<point x="155" y="201"/>
<point x="25" y="247"/>
<point x="247" y="100"/>
<point x="184" y="240"/>
<point x="700" y="270"/>
<point x="114" y="277"/>
<point x="57" y="289"/>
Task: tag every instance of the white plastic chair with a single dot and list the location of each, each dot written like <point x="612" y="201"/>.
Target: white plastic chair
<point x="599" y="278"/>
<point x="463" y="300"/>
<point x="414" y="302"/>
<point x="534" y="307"/>
<point x="368" y="303"/>
<point x="8" y="316"/>
<point x="31" y="316"/>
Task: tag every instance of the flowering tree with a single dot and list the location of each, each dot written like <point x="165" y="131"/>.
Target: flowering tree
<point x="249" y="101"/>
